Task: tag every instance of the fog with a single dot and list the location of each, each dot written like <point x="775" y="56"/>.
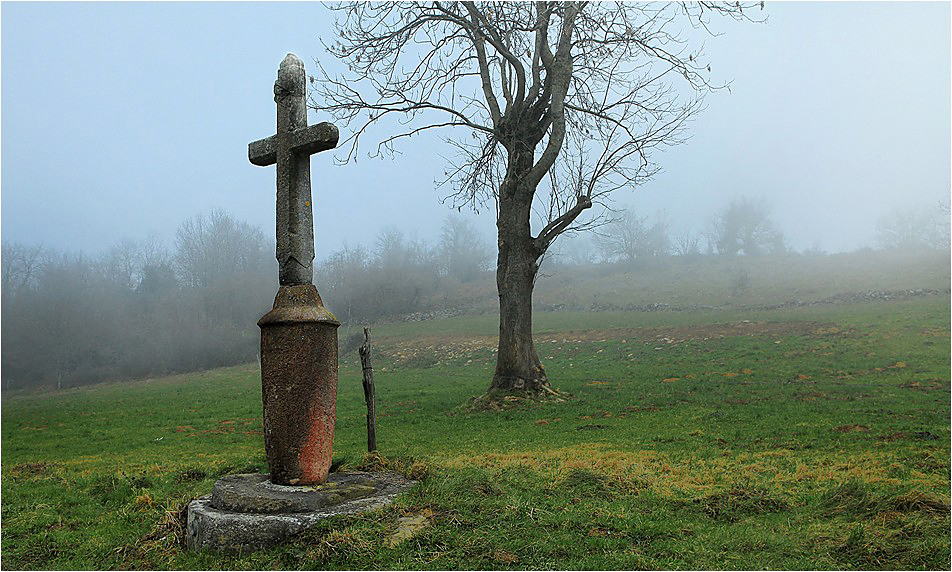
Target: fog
<point x="121" y="120"/>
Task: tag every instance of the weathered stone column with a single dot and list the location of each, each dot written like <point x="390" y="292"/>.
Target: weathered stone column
<point x="299" y="385"/>
<point x="299" y="335"/>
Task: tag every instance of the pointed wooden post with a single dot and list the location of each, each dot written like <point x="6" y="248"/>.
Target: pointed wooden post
<point x="370" y="396"/>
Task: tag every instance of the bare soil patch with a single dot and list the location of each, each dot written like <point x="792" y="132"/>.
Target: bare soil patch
<point x="451" y="347"/>
<point x="851" y="428"/>
<point x="31" y="469"/>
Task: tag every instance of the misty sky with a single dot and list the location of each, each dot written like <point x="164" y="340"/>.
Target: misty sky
<point x="124" y="119"/>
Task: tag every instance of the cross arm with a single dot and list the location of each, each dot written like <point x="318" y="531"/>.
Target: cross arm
<point x="307" y="141"/>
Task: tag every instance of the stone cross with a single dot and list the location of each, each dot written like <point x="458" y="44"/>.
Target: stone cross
<point x="290" y="148"/>
<point x="298" y="335"/>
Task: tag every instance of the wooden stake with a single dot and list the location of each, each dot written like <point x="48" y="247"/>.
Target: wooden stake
<point x="369" y="394"/>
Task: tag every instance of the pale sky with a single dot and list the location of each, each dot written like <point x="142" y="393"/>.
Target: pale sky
<point x="124" y="119"/>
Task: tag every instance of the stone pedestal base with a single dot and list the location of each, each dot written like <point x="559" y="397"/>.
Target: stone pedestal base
<point x="298" y="385"/>
<point x="246" y="512"/>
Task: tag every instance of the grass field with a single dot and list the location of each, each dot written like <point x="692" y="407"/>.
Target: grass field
<point x="798" y="438"/>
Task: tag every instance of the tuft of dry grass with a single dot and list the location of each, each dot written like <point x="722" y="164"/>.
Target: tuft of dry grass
<point x="680" y="477"/>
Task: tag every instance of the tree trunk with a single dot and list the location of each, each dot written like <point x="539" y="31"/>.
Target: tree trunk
<point x="518" y="369"/>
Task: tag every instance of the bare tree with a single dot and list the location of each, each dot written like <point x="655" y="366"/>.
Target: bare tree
<point x="122" y="264"/>
<point x="573" y="249"/>
<point x="630" y="237"/>
<point x="687" y="243"/>
<point x="215" y="248"/>
<point x="464" y="254"/>
<point x="745" y="226"/>
<point x="914" y="227"/>
<point x="550" y="107"/>
<point x="19" y="266"/>
<point x="344" y="281"/>
<point x="403" y="274"/>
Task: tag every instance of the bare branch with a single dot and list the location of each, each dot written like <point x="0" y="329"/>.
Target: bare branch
<point x="484" y="73"/>
<point x="587" y="91"/>
<point x="555" y="227"/>
<point x="561" y="71"/>
<point x="494" y="37"/>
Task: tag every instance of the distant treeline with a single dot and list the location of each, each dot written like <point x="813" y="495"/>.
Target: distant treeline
<point x="142" y="309"/>
<point x="137" y="310"/>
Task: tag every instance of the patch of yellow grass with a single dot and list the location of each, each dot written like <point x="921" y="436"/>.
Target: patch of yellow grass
<point x="408" y="526"/>
<point x="787" y="470"/>
<point x="144" y="502"/>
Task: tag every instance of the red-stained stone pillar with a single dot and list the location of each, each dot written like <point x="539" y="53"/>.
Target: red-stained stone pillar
<point x="299" y="385"/>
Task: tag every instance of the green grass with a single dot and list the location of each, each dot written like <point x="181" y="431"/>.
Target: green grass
<point x="797" y="438"/>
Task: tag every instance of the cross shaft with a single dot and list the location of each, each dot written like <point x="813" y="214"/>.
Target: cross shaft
<point x="290" y="149"/>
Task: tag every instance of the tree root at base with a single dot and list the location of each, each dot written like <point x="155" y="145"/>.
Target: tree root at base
<point x="497" y="400"/>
